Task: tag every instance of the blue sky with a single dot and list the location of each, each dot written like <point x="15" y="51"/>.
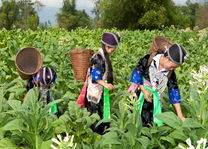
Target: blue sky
<point x="52" y="7"/>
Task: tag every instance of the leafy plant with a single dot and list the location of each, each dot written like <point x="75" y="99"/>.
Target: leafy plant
<point x="77" y="122"/>
<point x="31" y="125"/>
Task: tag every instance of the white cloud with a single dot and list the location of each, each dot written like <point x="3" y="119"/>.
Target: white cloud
<point x="85" y="4"/>
<point x="52" y="3"/>
<point x="179" y="2"/>
<point x="58" y="3"/>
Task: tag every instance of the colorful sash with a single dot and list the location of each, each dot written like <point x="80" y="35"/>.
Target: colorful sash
<point x="156" y="104"/>
<point x="53" y="108"/>
<point x="106" y="106"/>
<point x="82" y="95"/>
<point x="156" y="100"/>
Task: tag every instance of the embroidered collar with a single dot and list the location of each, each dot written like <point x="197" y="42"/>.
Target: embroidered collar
<point x="156" y="61"/>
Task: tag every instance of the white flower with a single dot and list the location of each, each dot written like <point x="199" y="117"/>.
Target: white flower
<point x="197" y="76"/>
<point x="66" y="139"/>
<point x="200" y="77"/>
<point x="193" y="83"/>
<point x="53" y="147"/>
<point x="71" y="142"/>
<point x="199" y="92"/>
<point x="188" y="141"/>
<point x="204" y="69"/>
<point x="56" y="141"/>
<point x="66" y="143"/>
<point x="180" y="146"/>
<point x="202" y="141"/>
<point x="191" y="40"/>
<point x="59" y="137"/>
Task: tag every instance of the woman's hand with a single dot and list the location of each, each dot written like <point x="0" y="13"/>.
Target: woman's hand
<point x="182" y="118"/>
<point x="179" y="111"/>
<point x="147" y="96"/>
<point x="146" y="93"/>
<point x="133" y="88"/>
<point x="109" y="86"/>
<point x="106" y="85"/>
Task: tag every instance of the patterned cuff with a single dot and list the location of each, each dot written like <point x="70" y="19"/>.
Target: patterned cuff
<point x="136" y="77"/>
<point x="96" y="75"/>
<point x="174" y="96"/>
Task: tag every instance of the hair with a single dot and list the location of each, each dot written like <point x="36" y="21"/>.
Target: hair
<point x="166" y="54"/>
<point x="110" y="68"/>
<point x="159" y="44"/>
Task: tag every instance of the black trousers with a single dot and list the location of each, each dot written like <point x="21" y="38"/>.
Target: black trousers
<point x="97" y="108"/>
<point x="147" y="112"/>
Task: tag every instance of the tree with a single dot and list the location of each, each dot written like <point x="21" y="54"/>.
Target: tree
<point x="32" y="22"/>
<point x="115" y="13"/>
<point x="29" y="14"/>
<point x="70" y="18"/>
<point x="135" y="14"/>
<point x="9" y="14"/>
<point x="19" y="13"/>
<point x="202" y="15"/>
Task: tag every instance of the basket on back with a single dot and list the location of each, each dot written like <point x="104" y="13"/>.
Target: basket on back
<point x="159" y="45"/>
<point x="80" y="59"/>
<point x="28" y="61"/>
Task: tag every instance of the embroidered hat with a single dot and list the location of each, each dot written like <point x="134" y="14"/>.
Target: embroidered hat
<point x="110" y="39"/>
<point x="177" y="54"/>
<point x="47" y="76"/>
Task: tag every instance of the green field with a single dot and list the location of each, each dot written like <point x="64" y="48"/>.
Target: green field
<point x="33" y="129"/>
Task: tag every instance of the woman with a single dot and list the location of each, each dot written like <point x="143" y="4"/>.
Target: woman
<point x="44" y="79"/>
<point x="153" y="78"/>
<point x="101" y="78"/>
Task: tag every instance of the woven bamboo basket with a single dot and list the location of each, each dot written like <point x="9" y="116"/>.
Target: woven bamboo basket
<point x="80" y="59"/>
<point x="28" y="61"/>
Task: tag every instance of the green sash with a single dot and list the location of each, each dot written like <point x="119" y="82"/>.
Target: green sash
<point x="106" y="105"/>
<point x="156" y="104"/>
<point x="53" y="108"/>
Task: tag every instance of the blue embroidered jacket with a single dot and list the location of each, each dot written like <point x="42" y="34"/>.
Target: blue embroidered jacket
<point x="97" y="68"/>
<point x="142" y="70"/>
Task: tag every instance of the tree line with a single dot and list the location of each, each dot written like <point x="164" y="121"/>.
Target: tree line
<point x="120" y="14"/>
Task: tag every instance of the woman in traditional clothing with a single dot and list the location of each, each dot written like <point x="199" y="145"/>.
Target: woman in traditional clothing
<point x="43" y="80"/>
<point x="101" y="79"/>
<point x="153" y="78"/>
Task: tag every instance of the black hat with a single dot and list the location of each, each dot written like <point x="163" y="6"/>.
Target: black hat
<point x="110" y="39"/>
<point x="177" y="54"/>
<point x="47" y="76"/>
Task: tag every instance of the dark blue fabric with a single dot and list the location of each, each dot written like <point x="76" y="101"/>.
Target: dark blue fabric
<point x="136" y="77"/>
<point x="54" y="78"/>
<point x="174" y="96"/>
<point x="96" y="74"/>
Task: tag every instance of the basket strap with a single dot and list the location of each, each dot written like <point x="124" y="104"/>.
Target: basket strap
<point x="35" y="81"/>
<point x="100" y="52"/>
<point x="106" y="65"/>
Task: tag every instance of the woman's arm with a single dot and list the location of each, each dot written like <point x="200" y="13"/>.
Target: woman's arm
<point x="25" y="98"/>
<point x="174" y="95"/>
<point x="106" y="85"/>
<point x="179" y="111"/>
